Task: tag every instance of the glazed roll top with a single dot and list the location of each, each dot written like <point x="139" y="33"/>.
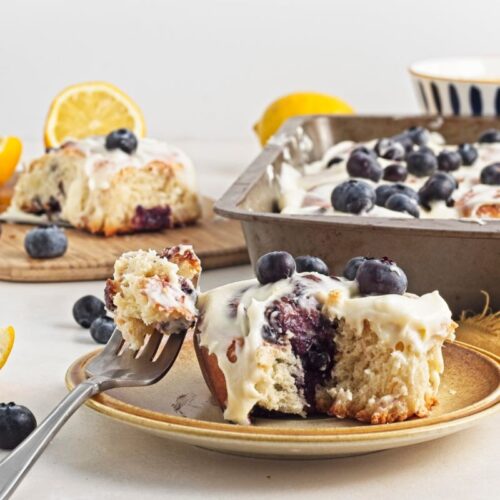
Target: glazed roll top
<point x="431" y="178"/>
<point x="101" y="164"/>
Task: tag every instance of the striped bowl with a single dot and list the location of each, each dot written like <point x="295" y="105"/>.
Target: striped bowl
<point x="461" y="86"/>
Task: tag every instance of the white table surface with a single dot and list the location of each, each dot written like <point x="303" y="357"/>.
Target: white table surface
<point x="94" y="457"/>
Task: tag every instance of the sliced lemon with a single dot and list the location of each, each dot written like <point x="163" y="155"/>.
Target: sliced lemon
<point x="91" y="108"/>
<point x="297" y="104"/>
<point x="7" y="336"/>
<point x="10" y="152"/>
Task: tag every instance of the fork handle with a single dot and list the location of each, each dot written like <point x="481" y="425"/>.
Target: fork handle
<point x="17" y="464"/>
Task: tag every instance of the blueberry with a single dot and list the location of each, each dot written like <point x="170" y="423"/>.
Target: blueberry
<point x="449" y="161"/>
<point x="440" y="186"/>
<point x="353" y="196"/>
<point x="16" y="424"/>
<point x="364" y="165"/>
<point x="426" y="149"/>
<point x="352" y="267"/>
<point x="364" y="150"/>
<point x="421" y="163"/>
<point x="468" y="153"/>
<point x="122" y="139"/>
<point x="489" y="136"/>
<point x="491" y="175"/>
<point x="385" y="191"/>
<point x="396" y="172"/>
<point x="419" y="135"/>
<point x="333" y="161"/>
<point x="274" y="266"/>
<point x="46" y="242"/>
<point x="390" y="149"/>
<point x="306" y="263"/>
<point x="401" y="203"/>
<point x="101" y="329"/>
<point x="405" y="140"/>
<point x="380" y="277"/>
<point x="88" y="309"/>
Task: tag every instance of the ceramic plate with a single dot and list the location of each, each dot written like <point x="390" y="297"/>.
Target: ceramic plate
<point x="180" y="407"/>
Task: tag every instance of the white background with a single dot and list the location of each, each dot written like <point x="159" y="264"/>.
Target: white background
<point x="207" y="69"/>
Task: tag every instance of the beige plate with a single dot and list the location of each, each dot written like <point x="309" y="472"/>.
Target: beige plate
<point x="180" y="407"/>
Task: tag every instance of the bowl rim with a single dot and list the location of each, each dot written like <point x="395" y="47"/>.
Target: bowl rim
<point x="430" y="76"/>
<point x="229" y="205"/>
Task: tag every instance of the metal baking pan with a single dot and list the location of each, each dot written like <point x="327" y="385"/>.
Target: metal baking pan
<point x="457" y="257"/>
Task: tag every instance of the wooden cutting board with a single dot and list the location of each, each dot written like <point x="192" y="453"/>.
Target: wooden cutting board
<point x="218" y="242"/>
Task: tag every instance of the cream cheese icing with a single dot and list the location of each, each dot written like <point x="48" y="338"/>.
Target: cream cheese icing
<point x="307" y="190"/>
<point x="101" y="164"/>
<point x="234" y="316"/>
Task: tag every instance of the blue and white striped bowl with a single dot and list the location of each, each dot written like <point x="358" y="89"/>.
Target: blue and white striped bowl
<point x="461" y="86"/>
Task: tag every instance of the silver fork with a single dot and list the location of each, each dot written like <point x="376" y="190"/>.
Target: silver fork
<point x="115" y="366"/>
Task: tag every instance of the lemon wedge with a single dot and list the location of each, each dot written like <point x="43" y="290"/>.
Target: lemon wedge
<point x="10" y="152"/>
<point x="297" y="104"/>
<point x="91" y="108"/>
<point x="7" y="336"/>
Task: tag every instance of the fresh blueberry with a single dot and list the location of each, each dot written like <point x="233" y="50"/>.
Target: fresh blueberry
<point x="353" y="196"/>
<point x="16" y="424"/>
<point x="306" y="263"/>
<point x="333" y="161"/>
<point x="489" y="136"/>
<point x="364" y="165"/>
<point x="46" y="242"/>
<point x="274" y="266"/>
<point x="364" y="150"/>
<point x="396" y="172"/>
<point x="122" y="139"/>
<point x="491" y="175"/>
<point x="385" y="191"/>
<point x="449" y="161"/>
<point x="401" y="203"/>
<point x="440" y="186"/>
<point x="468" y="153"/>
<point x="101" y="329"/>
<point x="405" y="140"/>
<point x="421" y="163"/>
<point x="419" y="135"/>
<point x="381" y="277"/>
<point x="352" y="267"/>
<point x="88" y="309"/>
<point x="426" y="149"/>
<point x="390" y="149"/>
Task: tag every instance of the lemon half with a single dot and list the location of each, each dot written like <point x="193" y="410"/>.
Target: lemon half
<point x="91" y="108"/>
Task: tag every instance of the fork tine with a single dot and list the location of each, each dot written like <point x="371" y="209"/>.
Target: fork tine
<point x="170" y="351"/>
<point x="128" y="354"/>
<point x="151" y="346"/>
<point x="115" y="342"/>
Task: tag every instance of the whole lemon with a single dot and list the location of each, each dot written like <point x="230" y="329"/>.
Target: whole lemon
<point x="297" y="104"/>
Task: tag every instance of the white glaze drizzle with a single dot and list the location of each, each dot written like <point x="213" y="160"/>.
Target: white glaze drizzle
<point x="308" y="190"/>
<point x="100" y="164"/>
